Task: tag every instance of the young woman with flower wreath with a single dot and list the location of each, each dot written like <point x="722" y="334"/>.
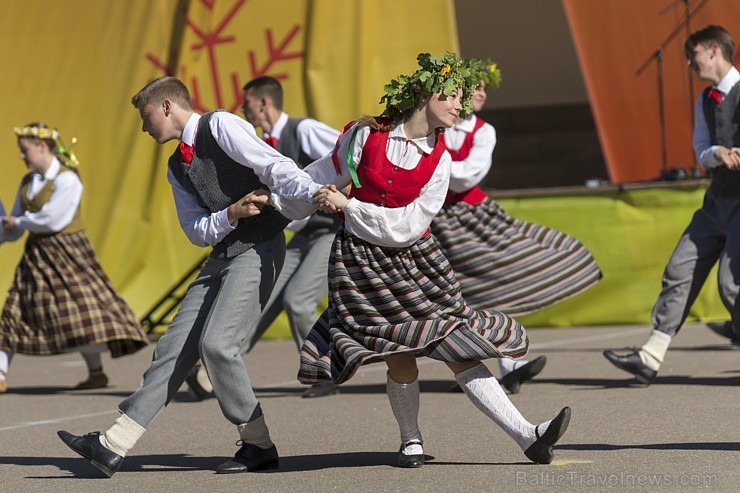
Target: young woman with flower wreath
<point x="60" y="299"/>
<point x="501" y="262"/>
<point x="393" y="295"/>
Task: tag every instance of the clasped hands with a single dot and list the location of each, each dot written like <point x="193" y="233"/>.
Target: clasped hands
<point x="728" y="157"/>
<point x="8" y="223"/>
<point x="328" y="199"/>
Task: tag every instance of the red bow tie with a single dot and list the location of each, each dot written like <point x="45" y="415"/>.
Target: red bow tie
<point x="272" y="142"/>
<point x="715" y="95"/>
<point x="186" y="151"/>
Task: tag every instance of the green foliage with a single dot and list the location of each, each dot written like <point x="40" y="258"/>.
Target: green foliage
<point x="444" y="74"/>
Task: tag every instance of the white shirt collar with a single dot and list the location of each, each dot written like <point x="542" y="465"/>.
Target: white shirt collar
<point x="729" y="81"/>
<point x="425" y="144"/>
<point x="467" y="124"/>
<point x="277" y="129"/>
<point x="188" y="133"/>
<point x="53" y="170"/>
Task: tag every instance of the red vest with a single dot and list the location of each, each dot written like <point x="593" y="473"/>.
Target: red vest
<point x="386" y="184"/>
<point x="475" y="195"/>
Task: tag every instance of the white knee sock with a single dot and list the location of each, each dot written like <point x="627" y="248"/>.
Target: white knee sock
<point x="404" y="398"/>
<point x="488" y="396"/>
<point x="256" y="433"/>
<point x="653" y="352"/>
<point x="5" y="358"/>
<point x="122" y="436"/>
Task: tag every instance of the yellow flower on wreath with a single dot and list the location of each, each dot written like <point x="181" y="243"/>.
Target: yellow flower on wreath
<point x="492" y="68"/>
<point x="445" y="70"/>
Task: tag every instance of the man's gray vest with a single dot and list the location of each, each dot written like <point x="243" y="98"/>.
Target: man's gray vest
<point x="723" y="121"/>
<point x="289" y="145"/>
<point x="217" y="181"/>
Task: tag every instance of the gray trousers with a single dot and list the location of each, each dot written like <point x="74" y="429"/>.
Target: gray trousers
<point x="219" y="311"/>
<point x="713" y="234"/>
<point x="301" y="286"/>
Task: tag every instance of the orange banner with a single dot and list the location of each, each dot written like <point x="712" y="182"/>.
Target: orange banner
<point x="623" y="46"/>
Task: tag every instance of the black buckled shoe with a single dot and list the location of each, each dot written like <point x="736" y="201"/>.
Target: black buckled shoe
<point x="250" y="458"/>
<point x="515" y="378"/>
<point x="411" y="460"/>
<point x="321" y="390"/>
<point x="633" y="364"/>
<point x="541" y="451"/>
<point x="195" y="387"/>
<point x="89" y="447"/>
<point x="725" y="329"/>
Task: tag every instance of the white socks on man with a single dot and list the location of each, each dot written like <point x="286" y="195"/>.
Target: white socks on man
<point x="404" y="398"/>
<point x="485" y="392"/>
<point x="256" y="433"/>
<point x="122" y="436"/>
<point x="653" y="352"/>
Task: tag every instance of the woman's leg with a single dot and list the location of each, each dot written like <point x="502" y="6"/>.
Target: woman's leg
<point x="92" y="355"/>
<point x="5" y="358"/>
<point x="402" y="388"/>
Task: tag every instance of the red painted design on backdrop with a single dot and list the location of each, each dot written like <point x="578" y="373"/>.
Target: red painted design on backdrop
<point x="210" y="40"/>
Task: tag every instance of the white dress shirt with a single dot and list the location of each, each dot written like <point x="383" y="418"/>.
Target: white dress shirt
<point x="469" y="172"/>
<point x="239" y="141"/>
<point x="384" y="226"/>
<point x="57" y="213"/>
<point x="703" y="148"/>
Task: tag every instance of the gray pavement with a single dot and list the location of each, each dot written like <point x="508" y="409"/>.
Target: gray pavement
<point x="680" y="434"/>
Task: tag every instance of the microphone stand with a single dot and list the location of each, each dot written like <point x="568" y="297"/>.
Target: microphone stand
<point x="657" y="55"/>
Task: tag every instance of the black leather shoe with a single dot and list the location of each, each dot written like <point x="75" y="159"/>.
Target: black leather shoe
<point x="455" y="388"/>
<point x="725" y="329"/>
<point x="410" y="461"/>
<point x="195" y="388"/>
<point x="89" y="447"/>
<point x="321" y="390"/>
<point x="633" y="364"/>
<point x="250" y="458"/>
<point x="515" y="378"/>
<point x="541" y="451"/>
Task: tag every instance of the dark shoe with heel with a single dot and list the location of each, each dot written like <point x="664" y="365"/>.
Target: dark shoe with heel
<point x="321" y="390"/>
<point x="250" y="458"/>
<point x="412" y="460"/>
<point x="633" y="364"/>
<point x="541" y="451"/>
<point x="726" y="330"/>
<point x="89" y="447"/>
<point x="513" y="380"/>
<point x="94" y="381"/>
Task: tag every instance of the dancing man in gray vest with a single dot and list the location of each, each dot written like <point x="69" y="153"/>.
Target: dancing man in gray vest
<point x="302" y="283"/>
<point x="714" y="231"/>
<point x="219" y="161"/>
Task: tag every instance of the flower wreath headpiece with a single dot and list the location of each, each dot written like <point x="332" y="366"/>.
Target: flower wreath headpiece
<point x="69" y="158"/>
<point x="487" y="71"/>
<point x="446" y="74"/>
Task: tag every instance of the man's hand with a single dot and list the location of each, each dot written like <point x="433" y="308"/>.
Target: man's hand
<point x="728" y="157"/>
<point x="248" y="206"/>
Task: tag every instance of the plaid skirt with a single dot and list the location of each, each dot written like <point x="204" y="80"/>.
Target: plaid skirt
<point x="61" y="300"/>
<point x="509" y="264"/>
<point x="392" y="300"/>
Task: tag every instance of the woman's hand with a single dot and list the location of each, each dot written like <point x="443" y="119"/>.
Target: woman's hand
<point x="8" y="223"/>
<point x="329" y="199"/>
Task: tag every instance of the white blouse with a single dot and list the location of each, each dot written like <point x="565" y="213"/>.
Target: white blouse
<point x="240" y="142"/>
<point x="473" y="169"/>
<point x="57" y="213"/>
<point x="384" y="226"/>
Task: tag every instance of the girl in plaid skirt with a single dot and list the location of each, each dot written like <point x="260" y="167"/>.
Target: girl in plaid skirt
<point x="60" y="299"/>
<point x="502" y="262"/>
<point x="393" y="295"/>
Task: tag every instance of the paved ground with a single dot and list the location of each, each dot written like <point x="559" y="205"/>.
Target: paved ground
<point x="679" y="434"/>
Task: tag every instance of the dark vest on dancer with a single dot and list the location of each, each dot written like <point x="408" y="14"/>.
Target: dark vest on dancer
<point x="723" y="121"/>
<point x="42" y="197"/>
<point x="289" y="145"/>
<point x="217" y="181"/>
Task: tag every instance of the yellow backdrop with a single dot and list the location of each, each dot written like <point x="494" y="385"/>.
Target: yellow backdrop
<point x="75" y="65"/>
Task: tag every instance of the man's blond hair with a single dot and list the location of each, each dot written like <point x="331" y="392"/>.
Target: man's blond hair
<point x="160" y="89"/>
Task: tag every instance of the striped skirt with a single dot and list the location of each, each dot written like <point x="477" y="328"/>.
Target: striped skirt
<point x="390" y="300"/>
<point x="61" y="300"/>
<point x="509" y="264"/>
